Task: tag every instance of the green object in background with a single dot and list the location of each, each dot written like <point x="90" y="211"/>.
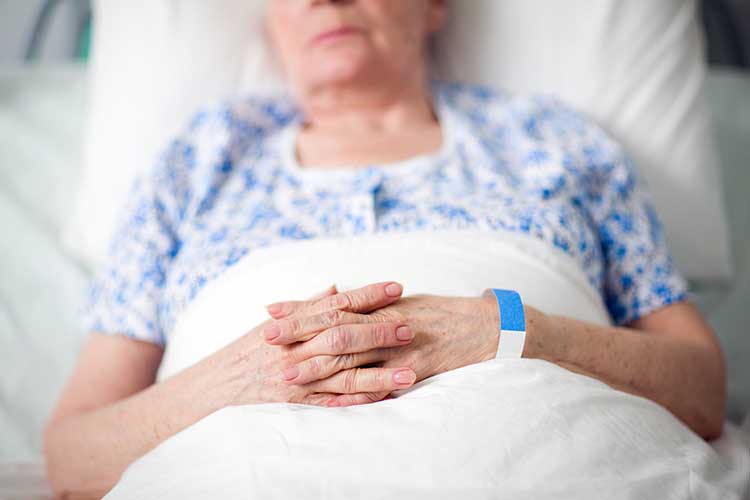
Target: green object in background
<point x="84" y="44"/>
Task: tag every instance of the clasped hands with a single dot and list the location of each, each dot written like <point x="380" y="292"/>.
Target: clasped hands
<point x="358" y="346"/>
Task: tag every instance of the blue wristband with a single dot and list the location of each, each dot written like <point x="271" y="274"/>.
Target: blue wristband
<point x="512" y="324"/>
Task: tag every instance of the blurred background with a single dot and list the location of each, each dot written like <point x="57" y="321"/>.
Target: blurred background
<point x="44" y="52"/>
<point x="59" y="30"/>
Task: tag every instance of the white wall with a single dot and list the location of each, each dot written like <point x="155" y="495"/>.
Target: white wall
<point x="17" y="18"/>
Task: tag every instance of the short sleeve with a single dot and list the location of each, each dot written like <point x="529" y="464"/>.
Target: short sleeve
<point x="124" y="294"/>
<point x="639" y="274"/>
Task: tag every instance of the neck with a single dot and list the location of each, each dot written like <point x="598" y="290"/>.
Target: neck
<point x="372" y="107"/>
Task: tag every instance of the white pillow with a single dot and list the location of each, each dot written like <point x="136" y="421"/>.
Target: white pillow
<point x="636" y="67"/>
<point x="154" y="62"/>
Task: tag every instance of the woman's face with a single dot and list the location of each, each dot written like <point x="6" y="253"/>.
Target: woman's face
<point x="327" y="42"/>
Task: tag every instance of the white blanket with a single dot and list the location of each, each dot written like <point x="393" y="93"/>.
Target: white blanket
<point x="511" y="429"/>
<point x="452" y="262"/>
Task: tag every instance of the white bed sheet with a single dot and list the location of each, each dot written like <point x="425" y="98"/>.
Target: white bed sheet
<point x="522" y="428"/>
<point x="469" y="433"/>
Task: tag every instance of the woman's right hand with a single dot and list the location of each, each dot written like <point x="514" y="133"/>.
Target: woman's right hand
<point x="257" y="367"/>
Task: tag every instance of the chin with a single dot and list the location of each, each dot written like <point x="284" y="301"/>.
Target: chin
<point x="339" y="75"/>
<point x="346" y="67"/>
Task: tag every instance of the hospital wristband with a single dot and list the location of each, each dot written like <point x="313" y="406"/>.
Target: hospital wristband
<point x="512" y="324"/>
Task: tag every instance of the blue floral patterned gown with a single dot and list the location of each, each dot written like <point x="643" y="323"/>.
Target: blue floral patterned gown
<point x="230" y="184"/>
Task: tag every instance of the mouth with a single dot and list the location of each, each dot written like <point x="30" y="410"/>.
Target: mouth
<point x="336" y="34"/>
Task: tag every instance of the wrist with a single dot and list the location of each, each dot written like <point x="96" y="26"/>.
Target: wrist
<point x="489" y="315"/>
<point x="536" y="322"/>
<point x="189" y="396"/>
<point x="222" y="378"/>
<point x="535" y="327"/>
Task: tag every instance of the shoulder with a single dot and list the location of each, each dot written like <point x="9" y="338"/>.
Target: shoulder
<point x="196" y="162"/>
<point x="223" y="131"/>
<point x="543" y="131"/>
<point x="536" y="117"/>
<point x="239" y="122"/>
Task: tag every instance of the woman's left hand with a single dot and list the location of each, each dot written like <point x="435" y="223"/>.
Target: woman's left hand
<point x="449" y="332"/>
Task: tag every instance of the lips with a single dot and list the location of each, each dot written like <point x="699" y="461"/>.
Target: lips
<point x="335" y="34"/>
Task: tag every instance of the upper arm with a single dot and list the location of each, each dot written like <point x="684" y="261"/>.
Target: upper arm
<point x="639" y="276"/>
<point x="684" y="321"/>
<point x="681" y="320"/>
<point x="109" y="368"/>
<point x="125" y="291"/>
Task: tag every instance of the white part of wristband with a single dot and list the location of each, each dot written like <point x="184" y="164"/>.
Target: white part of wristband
<point x="512" y="338"/>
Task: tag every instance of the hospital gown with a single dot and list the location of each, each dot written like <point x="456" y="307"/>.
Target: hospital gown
<point x="230" y="184"/>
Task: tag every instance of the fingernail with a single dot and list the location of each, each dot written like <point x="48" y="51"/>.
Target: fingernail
<point x="274" y="308"/>
<point x="291" y="373"/>
<point x="272" y="332"/>
<point x="404" y="333"/>
<point x="393" y="289"/>
<point x="405" y="377"/>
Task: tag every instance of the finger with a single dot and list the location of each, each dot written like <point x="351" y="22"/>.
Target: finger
<point x="329" y="399"/>
<point x="362" y="300"/>
<point x="276" y="310"/>
<point x="319" y="398"/>
<point x="365" y="380"/>
<point x="322" y="367"/>
<point x="361" y="398"/>
<point x="351" y="338"/>
<point x="298" y="328"/>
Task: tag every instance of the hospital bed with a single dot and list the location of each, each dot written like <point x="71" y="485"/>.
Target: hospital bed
<point x="42" y="115"/>
<point x="41" y="121"/>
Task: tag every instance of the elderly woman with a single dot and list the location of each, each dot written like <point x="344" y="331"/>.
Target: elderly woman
<point x="260" y="172"/>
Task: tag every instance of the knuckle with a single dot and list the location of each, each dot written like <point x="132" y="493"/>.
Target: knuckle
<point x="380" y="380"/>
<point x="339" y="316"/>
<point x="331" y="318"/>
<point x="367" y="297"/>
<point x="342" y="301"/>
<point x="375" y="293"/>
<point x="340" y="340"/>
<point x="350" y="380"/>
<point x="344" y="340"/>
<point x="295" y="326"/>
<point x="380" y="335"/>
<point x="331" y="366"/>
<point x="345" y="361"/>
<point x="397" y="316"/>
<point x="387" y="315"/>
<point x="315" y="367"/>
<point x="362" y="299"/>
<point x="373" y="397"/>
<point x="310" y="400"/>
